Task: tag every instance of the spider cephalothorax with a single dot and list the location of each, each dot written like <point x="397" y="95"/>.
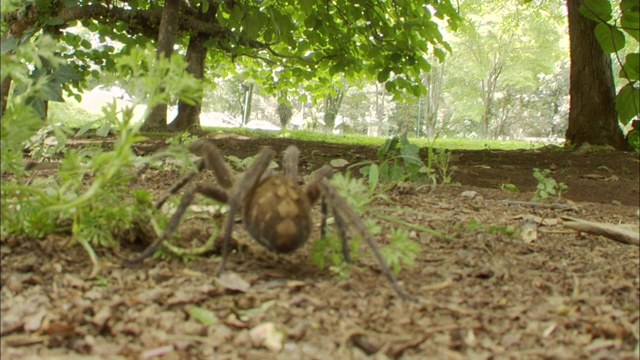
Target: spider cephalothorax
<point x="276" y="210"/>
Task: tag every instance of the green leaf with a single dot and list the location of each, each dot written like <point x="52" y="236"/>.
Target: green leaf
<point x="630" y="18"/>
<point x="631" y="67"/>
<point x="383" y="75"/>
<point x="610" y="38"/>
<point x="395" y="57"/>
<point x="253" y="22"/>
<point x="633" y="138"/>
<point x="103" y="131"/>
<point x="627" y="103"/>
<point x="596" y="10"/>
<point x="374" y="177"/>
<point x="85" y="44"/>
<point x="206" y="317"/>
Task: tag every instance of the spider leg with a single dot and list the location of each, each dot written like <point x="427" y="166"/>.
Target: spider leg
<point x="238" y="194"/>
<point x="342" y="232"/>
<point x="313" y="193"/>
<point x="339" y="204"/>
<point x="181" y="183"/>
<point x="211" y="159"/>
<point x="205" y="189"/>
<point x="214" y="160"/>
<point x="290" y="162"/>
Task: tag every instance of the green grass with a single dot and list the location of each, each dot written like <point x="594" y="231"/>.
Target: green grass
<point x="72" y="115"/>
<point x="441" y="143"/>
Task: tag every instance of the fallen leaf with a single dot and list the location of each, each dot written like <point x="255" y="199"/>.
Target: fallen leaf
<point x="233" y="281"/>
<point x="338" y="163"/>
<point x="32" y="322"/>
<point x="268" y="336"/>
<point x="157" y="352"/>
<point x="205" y="316"/>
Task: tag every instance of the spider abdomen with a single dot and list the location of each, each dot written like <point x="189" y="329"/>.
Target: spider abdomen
<point x="277" y="214"/>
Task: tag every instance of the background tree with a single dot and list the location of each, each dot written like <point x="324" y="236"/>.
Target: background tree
<point x="502" y="47"/>
<point x="284" y="113"/>
<point x="295" y="41"/>
<point x="593" y="116"/>
<point x="157" y="118"/>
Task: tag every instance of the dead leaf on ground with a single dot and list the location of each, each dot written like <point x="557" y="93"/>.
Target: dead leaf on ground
<point x="232" y="281"/>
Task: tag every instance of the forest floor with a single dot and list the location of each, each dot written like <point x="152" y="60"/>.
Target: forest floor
<point x="488" y="294"/>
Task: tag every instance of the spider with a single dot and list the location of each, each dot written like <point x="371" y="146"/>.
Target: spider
<point x="276" y="211"/>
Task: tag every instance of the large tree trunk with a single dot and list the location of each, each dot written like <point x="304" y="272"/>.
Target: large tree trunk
<point x="188" y="117"/>
<point x="157" y="118"/>
<point x="592" y="113"/>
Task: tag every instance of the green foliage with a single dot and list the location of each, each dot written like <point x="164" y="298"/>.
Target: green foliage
<point x="612" y="32"/>
<point x="509" y="187"/>
<point x="91" y="195"/>
<point x="547" y="186"/>
<point x="398" y="160"/>
<point x="243" y="164"/>
<point x="400" y="252"/>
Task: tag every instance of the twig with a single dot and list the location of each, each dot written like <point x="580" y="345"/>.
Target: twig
<point x="625" y="234"/>
<point x="554" y="206"/>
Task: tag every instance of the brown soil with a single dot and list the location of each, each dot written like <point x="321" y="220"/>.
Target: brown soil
<point x="489" y="293"/>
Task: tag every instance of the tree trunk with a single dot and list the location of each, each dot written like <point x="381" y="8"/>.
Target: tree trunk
<point x="157" y="118"/>
<point x="488" y="92"/>
<point x="4" y="92"/>
<point x="248" y="98"/>
<point x="433" y="82"/>
<point x="380" y="97"/>
<point x="592" y="113"/>
<point x="284" y="113"/>
<point x="331" y="109"/>
<point x="188" y="117"/>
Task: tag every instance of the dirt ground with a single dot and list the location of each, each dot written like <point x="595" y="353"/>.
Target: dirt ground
<point x="487" y="294"/>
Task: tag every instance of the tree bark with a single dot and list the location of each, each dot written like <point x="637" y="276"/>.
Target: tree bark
<point x="592" y="113"/>
<point x="331" y="109"/>
<point x="188" y="117"/>
<point x="157" y="118"/>
<point x="248" y="99"/>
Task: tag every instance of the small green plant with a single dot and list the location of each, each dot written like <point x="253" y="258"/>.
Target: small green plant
<point x="401" y="251"/>
<point x="328" y="250"/>
<point x="509" y="187"/>
<point x="243" y="164"/>
<point x="90" y="196"/>
<point x="441" y="160"/>
<point x="184" y="138"/>
<point x="398" y="160"/>
<point x="547" y="186"/>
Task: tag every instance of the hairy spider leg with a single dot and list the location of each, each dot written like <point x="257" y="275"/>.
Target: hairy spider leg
<point x="181" y="183"/>
<point x="313" y="192"/>
<point x="211" y="158"/>
<point x="290" y="162"/>
<point x="209" y="190"/>
<point x="214" y="160"/>
<point x="339" y="204"/>
<point x="238" y="194"/>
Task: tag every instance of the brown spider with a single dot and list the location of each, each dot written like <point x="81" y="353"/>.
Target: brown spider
<point x="276" y="211"/>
